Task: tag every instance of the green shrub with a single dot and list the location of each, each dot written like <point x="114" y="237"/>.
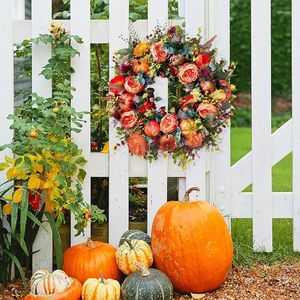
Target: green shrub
<point x="281" y="46"/>
<point x="242" y="118"/>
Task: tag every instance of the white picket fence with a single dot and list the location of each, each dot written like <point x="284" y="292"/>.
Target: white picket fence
<point x="220" y="184"/>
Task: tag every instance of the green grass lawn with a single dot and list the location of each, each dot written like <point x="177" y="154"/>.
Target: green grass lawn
<point x="282" y="228"/>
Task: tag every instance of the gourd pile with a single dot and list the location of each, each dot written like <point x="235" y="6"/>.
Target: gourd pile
<point x="190" y="247"/>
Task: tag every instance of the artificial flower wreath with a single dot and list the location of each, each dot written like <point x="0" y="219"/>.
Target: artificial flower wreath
<point x="200" y="95"/>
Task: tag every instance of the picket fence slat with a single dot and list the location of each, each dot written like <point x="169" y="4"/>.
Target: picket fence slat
<point x="296" y="125"/>
<point x="19" y="9"/>
<point x="6" y="86"/>
<point x="196" y="170"/>
<point x="219" y="24"/>
<point x="41" y="16"/>
<point x="261" y="124"/>
<point x="80" y="25"/>
<point x="157" y="170"/>
<point x="6" y="78"/>
<point x="118" y="159"/>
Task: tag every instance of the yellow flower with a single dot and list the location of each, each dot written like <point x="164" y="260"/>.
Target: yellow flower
<point x="9" y="160"/>
<point x="196" y="93"/>
<point x="3" y="166"/>
<point x="218" y="95"/>
<point x="37" y="168"/>
<point x="141" y="49"/>
<point x="34" y="182"/>
<point x="6" y="209"/>
<point x="105" y="148"/>
<point x="20" y="174"/>
<point x="17" y="197"/>
<point x="46" y="154"/>
<point x="54" y="139"/>
<point x="8" y="197"/>
<point x="49" y="205"/>
<point x="10" y="174"/>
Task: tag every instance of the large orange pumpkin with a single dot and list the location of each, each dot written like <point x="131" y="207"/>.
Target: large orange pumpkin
<point x="192" y="245"/>
<point x="90" y="260"/>
<point x="72" y="292"/>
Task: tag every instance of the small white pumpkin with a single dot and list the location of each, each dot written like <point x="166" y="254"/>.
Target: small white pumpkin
<point x="45" y="283"/>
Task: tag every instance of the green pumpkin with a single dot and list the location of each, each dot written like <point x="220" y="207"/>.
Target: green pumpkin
<point x="147" y="284"/>
<point x="135" y="235"/>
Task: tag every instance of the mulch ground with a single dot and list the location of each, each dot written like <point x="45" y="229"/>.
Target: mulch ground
<point x="261" y="282"/>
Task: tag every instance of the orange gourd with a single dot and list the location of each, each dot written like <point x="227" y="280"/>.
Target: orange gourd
<point x="72" y="292"/>
<point x="192" y="245"/>
<point x="90" y="259"/>
<point x="140" y="66"/>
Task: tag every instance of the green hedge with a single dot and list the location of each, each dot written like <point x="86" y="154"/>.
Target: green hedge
<point x="281" y="45"/>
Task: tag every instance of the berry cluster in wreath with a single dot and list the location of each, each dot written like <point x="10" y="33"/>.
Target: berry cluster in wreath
<point x="199" y="102"/>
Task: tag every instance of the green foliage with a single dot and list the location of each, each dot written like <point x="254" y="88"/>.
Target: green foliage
<point x="242" y="118"/>
<point x="281" y="45"/>
<point x="138" y="9"/>
<point x="47" y="174"/>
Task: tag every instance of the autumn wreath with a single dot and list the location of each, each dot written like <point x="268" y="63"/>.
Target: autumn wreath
<point x="199" y="102"/>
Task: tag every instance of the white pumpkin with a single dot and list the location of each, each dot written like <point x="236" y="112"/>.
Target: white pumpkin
<point x="45" y="283"/>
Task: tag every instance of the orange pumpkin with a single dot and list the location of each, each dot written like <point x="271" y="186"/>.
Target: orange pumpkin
<point x="72" y="292"/>
<point x="90" y="259"/>
<point x="188" y="127"/>
<point x="192" y="245"/>
<point x="140" y="66"/>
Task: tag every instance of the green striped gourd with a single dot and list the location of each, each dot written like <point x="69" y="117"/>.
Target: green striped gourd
<point x="135" y="235"/>
<point x="147" y="284"/>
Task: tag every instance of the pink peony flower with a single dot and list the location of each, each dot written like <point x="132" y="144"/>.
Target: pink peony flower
<point x="116" y="85"/>
<point x="132" y="85"/>
<point x="152" y="129"/>
<point x="158" y="54"/>
<point x="137" y="144"/>
<point x="206" y="109"/>
<point x="168" y="123"/>
<point x="194" y="141"/>
<point x="167" y="143"/>
<point x="128" y="119"/>
<point x="188" y="73"/>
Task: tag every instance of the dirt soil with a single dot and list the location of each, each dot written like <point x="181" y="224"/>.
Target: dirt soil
<point x="260" y="282"/>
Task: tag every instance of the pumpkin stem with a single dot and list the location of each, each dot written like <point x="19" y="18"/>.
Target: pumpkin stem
<point x="186" y="197"/>
<point x="145" y="271"/>
<point x="102" y="278"/>
<point x="90" y="244"/>
<point x="129" y="243"/>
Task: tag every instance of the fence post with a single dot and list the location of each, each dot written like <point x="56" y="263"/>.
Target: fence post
<point x="118" y="158"/>
<point x="19" y="9"/>
<point x="158" y="169"/>
<point x="219" y="24"/>
<point x="80" y="25"/>
<point x="6" y="79"/>
<point x="41" y="16"/>
<point x="196" y="170"/>
<point x="261" y="124"/>
<point x="296" y="114"/>
<point x="6" y="85"/>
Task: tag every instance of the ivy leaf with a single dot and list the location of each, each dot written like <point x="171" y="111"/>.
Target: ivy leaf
<point x="3" y="166"/>
<point x="81" y="175"/>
